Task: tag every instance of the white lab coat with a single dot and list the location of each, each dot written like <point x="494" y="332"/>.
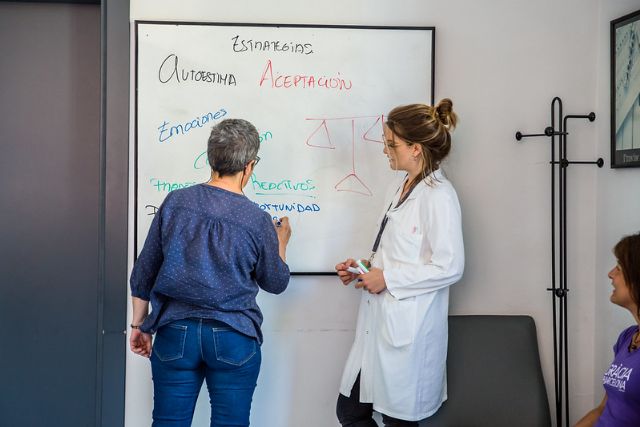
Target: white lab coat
<point x="400" y="346"/>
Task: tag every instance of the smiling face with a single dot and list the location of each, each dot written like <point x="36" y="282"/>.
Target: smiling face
<point x="401" y="154"/>
<point x="625" y="276"/>
<point x="621" y="294"/>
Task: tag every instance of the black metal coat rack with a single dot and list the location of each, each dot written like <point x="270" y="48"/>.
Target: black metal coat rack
<point x="559" y="289"/>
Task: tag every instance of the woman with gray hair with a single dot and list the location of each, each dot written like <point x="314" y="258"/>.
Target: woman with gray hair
<point x="208" y="251"/>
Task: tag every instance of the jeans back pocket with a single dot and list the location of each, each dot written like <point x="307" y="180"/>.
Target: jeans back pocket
<point x="232" y="347"/>
<point x="169" y="342"/>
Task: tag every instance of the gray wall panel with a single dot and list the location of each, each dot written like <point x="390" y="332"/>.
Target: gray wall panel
<point x="49" y="131"/>
<point x="116" y="123"/>
<point x="114" y="163"/>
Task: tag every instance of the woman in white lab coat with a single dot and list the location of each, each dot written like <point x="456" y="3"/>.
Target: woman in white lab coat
<point x="397" y="365"/>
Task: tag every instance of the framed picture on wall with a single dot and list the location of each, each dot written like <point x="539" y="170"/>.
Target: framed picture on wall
<point x="625" y="91"/>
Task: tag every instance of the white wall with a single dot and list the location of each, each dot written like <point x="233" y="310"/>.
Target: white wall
<point x="618" y="204"/>
<point x="502" y="62"/>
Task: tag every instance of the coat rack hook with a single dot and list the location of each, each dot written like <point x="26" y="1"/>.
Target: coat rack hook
<point x="550" y="132"/>
<point x="520" y="135"/>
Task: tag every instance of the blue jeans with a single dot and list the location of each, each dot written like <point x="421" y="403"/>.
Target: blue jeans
<point x="187" y="352"/>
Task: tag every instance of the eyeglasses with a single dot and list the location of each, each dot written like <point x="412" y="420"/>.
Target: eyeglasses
<point x="393" y="143"/>
<point x="389" y="143"/>
<point x="255" y="162"/>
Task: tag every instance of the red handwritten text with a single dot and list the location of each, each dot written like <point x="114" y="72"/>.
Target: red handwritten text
<point x="278" y="80"/>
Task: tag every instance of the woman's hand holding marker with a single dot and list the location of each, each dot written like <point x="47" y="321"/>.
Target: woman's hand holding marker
<point x="283" y="230"/>
<point x="369" y="280"/>
<point x="372" y="281"/>
<point x="347" y="271"/>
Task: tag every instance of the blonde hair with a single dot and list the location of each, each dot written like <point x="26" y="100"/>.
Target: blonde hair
<point x="428" y="126"/>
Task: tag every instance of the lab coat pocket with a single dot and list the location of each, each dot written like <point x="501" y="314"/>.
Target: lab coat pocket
<point x="408" y="246"/>
<point x="399" y="317"/>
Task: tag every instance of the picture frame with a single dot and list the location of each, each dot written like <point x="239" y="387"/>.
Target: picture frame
<point x="625" y="91"/>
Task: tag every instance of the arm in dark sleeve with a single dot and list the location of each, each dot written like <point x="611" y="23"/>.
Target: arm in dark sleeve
<point x="146" y="267"/>
<point x="272" y="273"/>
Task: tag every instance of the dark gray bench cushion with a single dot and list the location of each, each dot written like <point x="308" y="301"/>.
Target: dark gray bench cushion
<point x="493" y="374"/>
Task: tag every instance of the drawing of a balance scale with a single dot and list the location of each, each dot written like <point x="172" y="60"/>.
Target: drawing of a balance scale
<point x="321" y="138"/>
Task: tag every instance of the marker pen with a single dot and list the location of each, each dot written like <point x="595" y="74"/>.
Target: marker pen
<point x="362" y="266"/>
<point x="354" y="270"/>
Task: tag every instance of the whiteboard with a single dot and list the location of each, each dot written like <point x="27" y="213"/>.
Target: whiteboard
<point x="316" y="94"/>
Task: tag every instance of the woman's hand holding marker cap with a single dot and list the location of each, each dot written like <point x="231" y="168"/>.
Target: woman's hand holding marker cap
<point x="348" y="271"/>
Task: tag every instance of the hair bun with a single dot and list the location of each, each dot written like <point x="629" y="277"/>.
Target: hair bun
<point x="444" y="113"/>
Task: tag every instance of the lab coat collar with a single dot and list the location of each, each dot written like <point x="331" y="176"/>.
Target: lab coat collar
<point x="432" y="179"/>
